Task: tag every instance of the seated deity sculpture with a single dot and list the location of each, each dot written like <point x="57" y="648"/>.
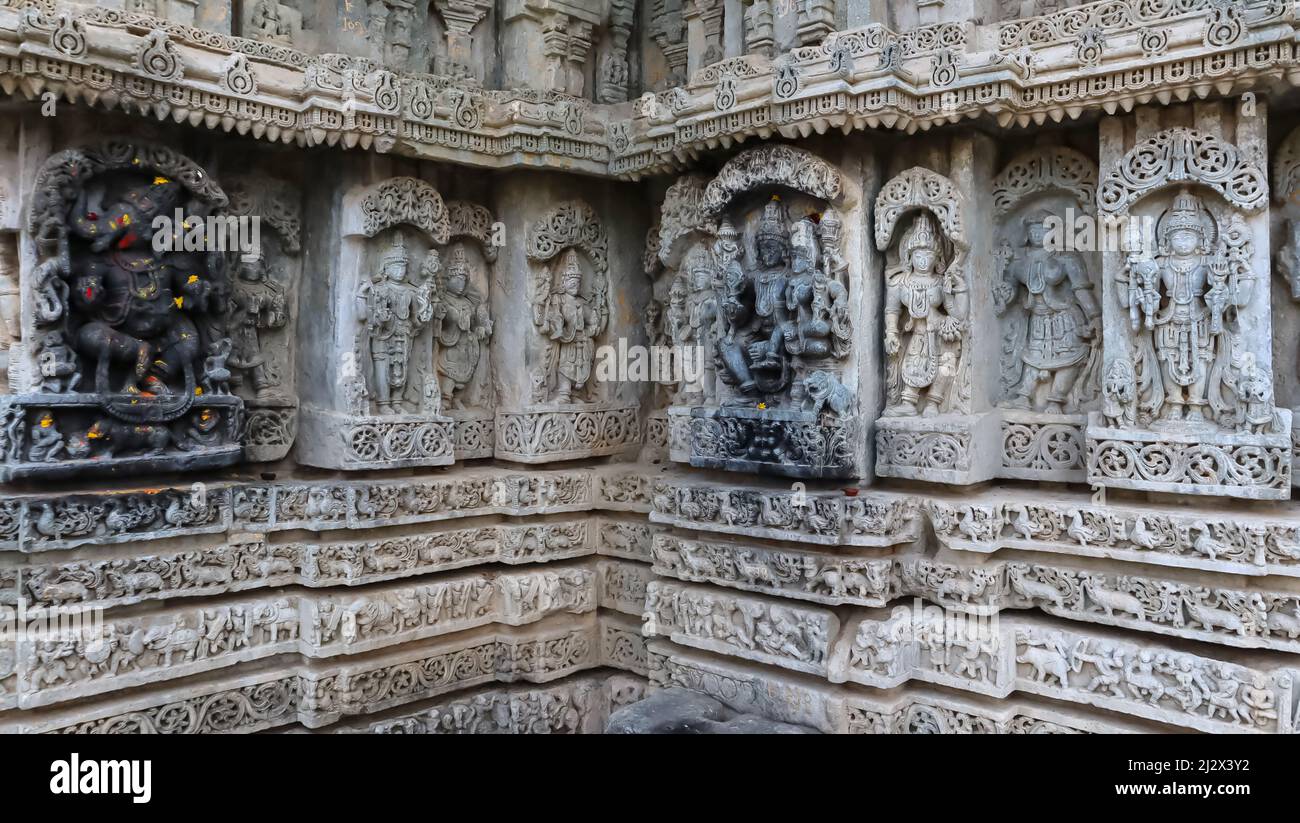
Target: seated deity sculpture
<point x="754" y="361"/>
<point x="1064" y="320"/>
<point x="1179" y="303"/>
<point x="395" y="312"/>
<point x="819" y="324"/>
<point x="461" y="325"/>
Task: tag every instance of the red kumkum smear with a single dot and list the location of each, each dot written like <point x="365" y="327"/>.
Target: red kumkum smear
<point x="126" y="241"/>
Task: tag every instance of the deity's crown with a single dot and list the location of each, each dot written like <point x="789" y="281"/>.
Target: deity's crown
<point x="773" y="225"/>
<point x="1186" y="214"/>
<point x="831" y="221"/>
<point x="921" y="235"/>
<point x="697" y="259"/>
<point x="804" y="235"/>
<point x="571" y="270"/>
<point x="726" y="230"/>
<point x="397" y="252"/>
<point x="459" y="264"/>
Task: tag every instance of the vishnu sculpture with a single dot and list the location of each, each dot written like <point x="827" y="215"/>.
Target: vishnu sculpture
<point x="395" y="312"/>
<point x="257" y="303"/>
<point x="1181" y="305"/>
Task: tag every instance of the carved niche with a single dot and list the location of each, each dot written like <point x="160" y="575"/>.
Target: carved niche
<point x="1048" y="298"/>
<point x="927" y="430"/>
<point x="393" y="301"/>
<point x="765" y="289"/>
<point x="1188" y="395"/>
<point x="1285" y="233"/>
<point x="128" y="343"/>
<point x="462" y="327"/>
<point x="263" y="320"/>
<point x="570" y="415"/>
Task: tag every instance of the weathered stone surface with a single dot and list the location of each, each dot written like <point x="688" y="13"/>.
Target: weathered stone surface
<point x="808" y="336"/>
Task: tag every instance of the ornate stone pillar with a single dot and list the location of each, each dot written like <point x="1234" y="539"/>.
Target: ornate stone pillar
<point x="460" y="17"/>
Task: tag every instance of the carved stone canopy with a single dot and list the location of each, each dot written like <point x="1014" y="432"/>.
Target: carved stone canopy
<point x="1176" y="157"/>
<point x="771" y="165"/>
<point x="921" y="188"/>
<point x="1038" y="170"/>
<point x="405" y="200"/>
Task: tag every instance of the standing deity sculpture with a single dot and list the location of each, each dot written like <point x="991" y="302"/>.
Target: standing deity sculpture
<point x="1180" y="303"/>
<point x="924" y="352"/>
<point x="1064" y="322"/>
<point x="570" y="323"/>
<point x="257" y="302"/>
<point x="461" y="324"/>
<point x="395" y="312"/>
<point x="701" y="307"/>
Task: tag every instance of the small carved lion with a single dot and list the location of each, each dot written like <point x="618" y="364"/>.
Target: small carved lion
<point x="824" y="390"/>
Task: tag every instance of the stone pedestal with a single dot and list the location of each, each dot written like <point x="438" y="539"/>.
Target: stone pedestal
<point x="394" y="441"/>
<point x="1228" y="464"/>
<point x="117" y="435"/>
<point x="949" y="448"/>
<point x="1043" y="446"/>
<point x="543" y="434"/>
<point x="772" y="441"/>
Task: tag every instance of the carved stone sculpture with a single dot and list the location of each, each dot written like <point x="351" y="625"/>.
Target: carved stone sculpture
<point x="461" y="326"/>
<point x="394" y="312"/>
<point x="925" y="311"/>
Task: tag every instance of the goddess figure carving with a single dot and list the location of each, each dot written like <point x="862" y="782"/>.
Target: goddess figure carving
<point x="461" y="324"/>
<point x="1180" y="303"/>
<point x="924" y="351"/>
<point x="1064" y="320"/>
<point x="394" y="312"/>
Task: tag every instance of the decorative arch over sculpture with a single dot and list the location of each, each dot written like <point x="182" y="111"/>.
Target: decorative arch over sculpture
<point x="570" y="225"/>
<point x="1180" y="156"/>
<point x="921" y="188"/>
<point x="1049" y="168"/>
<point x="682" y="213"/>
<point x="773" y="165"/>
<point x="473" y="221"/>
<point x="63" y="173"/>
<point x="405" y="200"/>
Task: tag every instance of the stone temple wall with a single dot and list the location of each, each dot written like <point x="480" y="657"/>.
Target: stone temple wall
<point x="481" y="366"/>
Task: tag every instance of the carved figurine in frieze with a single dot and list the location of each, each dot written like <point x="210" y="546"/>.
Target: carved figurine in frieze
<point x="1119" y="395"/>
<point x="817" y="304"/>
<point x="701" y="314"/>
<point x="46" y="442"/>
<point x="257" y="303"/>
<point x="269" y="22"/>
<point x="570" y="323"/>
<point x="1064" y="321"/>
<point x="395" y="312"/>
<point x="924" y="349"/>
<point x="1182" y="305"/>
<point x="755" y="361"/>
<point x="461" y="325"/>
<point x="58" y="364"/>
